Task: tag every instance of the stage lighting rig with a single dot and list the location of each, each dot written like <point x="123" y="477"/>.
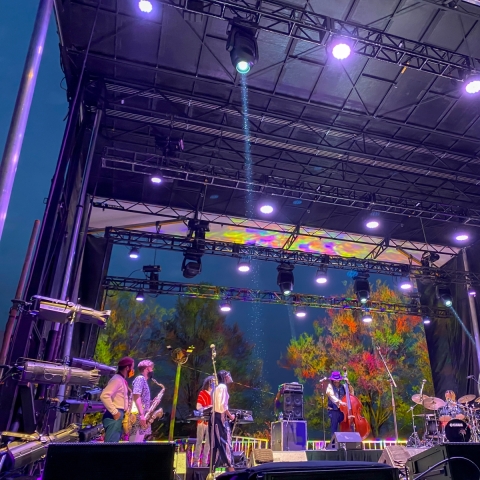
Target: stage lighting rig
<point x="37" y="371"/>
<point x="285" y="279"/>
<point x="362" y="288"/>
<point x="472" y="84"/>
<point x="192" y="261"/>
<point x="444" y="294"/>
<point x="242" y="45"/>
<point x="84" y="364"/>
<point x="152" y="272"/>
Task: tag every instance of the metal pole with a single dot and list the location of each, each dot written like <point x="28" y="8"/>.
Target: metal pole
<point x="67" y="343"/>
<point x="19" y="293"/>
<point x="473" y="310"/>
<point x="175" y="401"/>
<point x="13" y="146"/>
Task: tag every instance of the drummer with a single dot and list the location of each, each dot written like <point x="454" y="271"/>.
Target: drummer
<point x="451" y="409"/>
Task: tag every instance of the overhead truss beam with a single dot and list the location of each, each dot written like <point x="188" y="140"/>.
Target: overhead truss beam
<point x="311" y="188"/>
<point x="141" y="239"/>
<point x="290" y="20"/>
<point x="127" y="284"/>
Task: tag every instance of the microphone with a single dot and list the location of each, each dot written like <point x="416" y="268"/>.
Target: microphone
<point x="471" y="376"/>
<point x="424" y="381"/>
<point x="214" y="352"/>
<point x="323" y="379"/>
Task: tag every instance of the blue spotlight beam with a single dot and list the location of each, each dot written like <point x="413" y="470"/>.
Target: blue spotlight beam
<point x="142" y="239"/>
<point x="127" y="284"/>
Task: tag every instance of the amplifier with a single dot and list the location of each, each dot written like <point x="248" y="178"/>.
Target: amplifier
<point x="290" y="387"/>
<point x="289" y="435"/>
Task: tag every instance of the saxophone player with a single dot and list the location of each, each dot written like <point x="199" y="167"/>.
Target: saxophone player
<point x="141" y="400"/>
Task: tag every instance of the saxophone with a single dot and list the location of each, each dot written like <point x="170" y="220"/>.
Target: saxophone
<point x="152" y="413"/>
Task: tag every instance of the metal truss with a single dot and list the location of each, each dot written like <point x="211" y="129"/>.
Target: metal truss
<point x="126" y="284"/>
<point x="142" y="239"/>
<point x="347" y="153"/>
<point x="181" y="215"/>
<point x="314" y="189"/>
<point x="289" y="20"/>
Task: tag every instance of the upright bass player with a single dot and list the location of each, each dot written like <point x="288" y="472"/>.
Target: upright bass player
<point x="335" y="393"/>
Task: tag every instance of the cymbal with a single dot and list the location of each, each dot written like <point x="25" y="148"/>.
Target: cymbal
<point x="477" y="400"/>
<point x="434" y="403"/>
<point x="420" y="399"/>
<point x="467" y="398"/>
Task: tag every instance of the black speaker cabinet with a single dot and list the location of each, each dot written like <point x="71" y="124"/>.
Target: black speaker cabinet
<point x="293" y="405"/>
<point x="101" y="461"/>
<point x="289" y="436"/>
<point x="454" y="469"/>
<point x="347" y="440"/>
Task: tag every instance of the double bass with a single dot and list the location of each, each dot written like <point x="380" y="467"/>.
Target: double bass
<point x="352" y="413"/>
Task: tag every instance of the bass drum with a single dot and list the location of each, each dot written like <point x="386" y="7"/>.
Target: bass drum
<point x="457" y="431"/>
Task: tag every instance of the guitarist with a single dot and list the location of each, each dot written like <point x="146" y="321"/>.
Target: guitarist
<point x="335" y="392"/>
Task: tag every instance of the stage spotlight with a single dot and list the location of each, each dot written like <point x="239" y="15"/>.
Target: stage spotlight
<point x="225" y="306"/>
<point x="300" y="312"/>
<point x="461" y="237"/>
<point x="244" y="265"/>
<point x="362" y="289"/>
<point x="472" y="84"/>
<point x="140" y="297"/>
<point x="341" y="51"/>
<point x="321" y="275"/>
<point x="285" y="278"/>
<point x="444" y="294"/>
<point x="426" y="320"/>
<point x="372" y="221"/>
<point x="472" y="292"/>
<point x="242" y="45"/>
<point x="405" y="283"/>
<point x="266" y="207"/>
<point x="145" y="6"/>
<point x="366" y="317"/>
<point x="191" y="267"/>
<point x="156" y="177"/>
<point x="134" y="253"/>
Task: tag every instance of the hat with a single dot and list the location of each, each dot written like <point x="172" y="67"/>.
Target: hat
<point x="125" y="361"/>
<point x="336" y="376"/>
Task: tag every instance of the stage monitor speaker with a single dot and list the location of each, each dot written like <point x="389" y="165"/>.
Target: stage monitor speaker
<point x="398" y="455"/>
<point x="289" y="435"/>
<point x="293" y="405"/>
<point x="327" y="470"/>
<point x="452" y="470"/>
<point x="239" y="460"/>
<point x="347" y="440"/>
<point x="100" y="461"/>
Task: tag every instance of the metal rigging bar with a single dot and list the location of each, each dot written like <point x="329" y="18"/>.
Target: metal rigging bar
<point x="289" y="20"/>
<point x="127" y="284"/>
<point x="142" y="239"/>
<point x="197" y="171"/>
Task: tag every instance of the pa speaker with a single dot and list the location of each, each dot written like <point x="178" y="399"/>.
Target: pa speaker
<point x="119" y="461"/>
<point x="289" y="436"/>
<point x="457" y="469"/>
<point x="293" y="405"/>
<point x="347" y="440"/>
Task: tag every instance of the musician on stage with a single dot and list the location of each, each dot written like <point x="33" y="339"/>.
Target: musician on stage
<point x="141" y="401"/>
<point x="335" y="392"/>
<point x="222" y="439"/>
<point x="451" y="409"/>
<point x="204" y="401"/>
<point x="115" y="399"/>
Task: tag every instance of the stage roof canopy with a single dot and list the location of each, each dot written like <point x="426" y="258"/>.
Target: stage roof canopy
<point x="389" y="129"/>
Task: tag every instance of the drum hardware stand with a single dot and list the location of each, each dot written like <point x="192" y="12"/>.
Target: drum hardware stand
<point x="392" y="384"/>
<point x="414" y="439"/>
<point x="323" y="420"/>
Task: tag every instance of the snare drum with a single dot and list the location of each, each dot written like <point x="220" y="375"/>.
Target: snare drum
<point x="457" y="431"/>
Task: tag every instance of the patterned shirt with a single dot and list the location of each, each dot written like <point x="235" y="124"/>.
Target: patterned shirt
<point x="140" y="387"/>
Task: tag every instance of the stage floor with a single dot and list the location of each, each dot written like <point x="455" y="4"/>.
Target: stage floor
<point x="312" y="455"/>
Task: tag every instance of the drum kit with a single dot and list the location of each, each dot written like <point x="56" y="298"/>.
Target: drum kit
<point x="449" y="421"/>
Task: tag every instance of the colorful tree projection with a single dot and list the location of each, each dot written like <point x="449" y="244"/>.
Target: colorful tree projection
<point x="341" y="339"/>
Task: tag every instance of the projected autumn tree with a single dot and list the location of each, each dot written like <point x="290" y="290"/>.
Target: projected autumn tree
<point x="341" y="339"/>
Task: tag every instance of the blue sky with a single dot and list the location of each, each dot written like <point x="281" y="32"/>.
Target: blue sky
<point x="42" y="138"/>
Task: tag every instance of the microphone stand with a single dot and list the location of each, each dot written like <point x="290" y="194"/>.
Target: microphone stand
<point x="323" y="419"/>
<point x="392" y="384"/>
<point x="211" y="475"/>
